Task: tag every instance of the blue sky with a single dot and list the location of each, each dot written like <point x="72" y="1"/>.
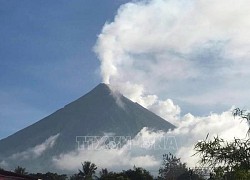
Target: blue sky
<point x="46" y="56"/>
<point x="172" y="56"/>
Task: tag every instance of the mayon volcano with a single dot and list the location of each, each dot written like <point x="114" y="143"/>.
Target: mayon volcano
<point x="99" y="112"/>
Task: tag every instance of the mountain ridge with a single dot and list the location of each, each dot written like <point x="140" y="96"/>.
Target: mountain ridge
<point x="93" y="114"/>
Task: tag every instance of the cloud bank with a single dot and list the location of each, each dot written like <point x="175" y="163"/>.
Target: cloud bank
<point x="191" y="52"/>
<point x="36" y="151"/>
<point x="147" y="148"/>
<point x="195" y="52"/>
<point x="117" y="158"/>
<point x="30" y="157"/>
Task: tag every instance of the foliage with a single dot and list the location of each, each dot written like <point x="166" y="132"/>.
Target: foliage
<point x="113" y="176"/>
<point x="75" y="177"/>
<point x="229" y="160"/>
<point x="49" y="176"/>
<point x="87" y="172"/>
<point x="232" y="155"/>
<point x="20" y="170"/>
<point x="172" y="168"/>
<point x="136" y="173"/>
<point x="104" y="172"/>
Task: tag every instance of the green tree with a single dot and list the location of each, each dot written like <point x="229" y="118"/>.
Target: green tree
<point x="225" y="157"/>
<point x="104" y="172"/>
<point x="75" y="177"/>
<point x="113" y="176"/>
<point x="137" y="173"/>
<point x="50" y="176"/>
<point x="20" y="170"/>
<point x="172" y="167"/>
<point x="88" y="170"/>
<point x="229" y="160"/>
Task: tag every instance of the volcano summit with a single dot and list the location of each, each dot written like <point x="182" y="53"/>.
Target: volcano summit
<point x="94" y="114"/>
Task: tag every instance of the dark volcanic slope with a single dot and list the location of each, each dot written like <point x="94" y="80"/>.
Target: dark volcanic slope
<point x="93" y="114"/>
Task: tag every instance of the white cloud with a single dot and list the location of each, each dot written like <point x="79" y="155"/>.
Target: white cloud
<point x="147" y="148"/>
<point x="168" y="110"/>
<point x="178" y="49"/>
<point x="112" y="158"/>
<point x="192" y="129"/>
<point x="36" y="151"/>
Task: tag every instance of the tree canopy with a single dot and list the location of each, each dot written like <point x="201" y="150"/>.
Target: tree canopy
<point x="226" y="159"/>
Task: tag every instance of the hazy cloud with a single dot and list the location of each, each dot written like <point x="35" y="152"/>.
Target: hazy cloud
<point x="36" y="151"/>
<point x="3" y="164"/>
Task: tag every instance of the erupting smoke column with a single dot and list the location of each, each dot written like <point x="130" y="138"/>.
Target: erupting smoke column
<point x="192" y="51"/>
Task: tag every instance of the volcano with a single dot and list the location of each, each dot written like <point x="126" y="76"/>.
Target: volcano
<point x="99" y="112"/>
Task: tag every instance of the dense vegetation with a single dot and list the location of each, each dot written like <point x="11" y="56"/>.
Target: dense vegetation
<point x="227" y="160"/>
<point x="171" y="168"/>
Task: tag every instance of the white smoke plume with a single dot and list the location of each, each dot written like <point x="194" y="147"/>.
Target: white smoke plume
<point x="195" y="52"/>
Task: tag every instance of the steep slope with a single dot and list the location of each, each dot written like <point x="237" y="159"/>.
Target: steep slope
<point x="96" y="113"/>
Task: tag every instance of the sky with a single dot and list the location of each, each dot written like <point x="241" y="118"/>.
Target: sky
<point x="46" y="56"/>
<point x="185" y="60"/>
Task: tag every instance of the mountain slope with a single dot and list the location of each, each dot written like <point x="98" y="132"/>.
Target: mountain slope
<point x="99" y="111"/>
